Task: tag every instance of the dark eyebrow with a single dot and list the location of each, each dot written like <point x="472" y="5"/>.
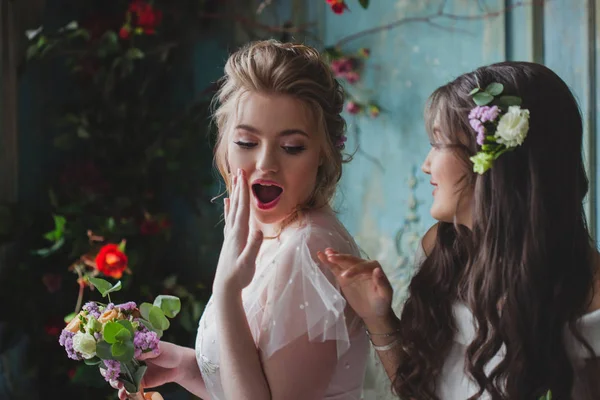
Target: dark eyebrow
<point x="286" y="132"/>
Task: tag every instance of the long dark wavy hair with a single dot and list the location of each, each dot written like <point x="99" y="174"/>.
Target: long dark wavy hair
<point x="526" y="266"/>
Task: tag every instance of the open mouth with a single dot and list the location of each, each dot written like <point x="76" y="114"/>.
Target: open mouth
<point x="267" y="194"/>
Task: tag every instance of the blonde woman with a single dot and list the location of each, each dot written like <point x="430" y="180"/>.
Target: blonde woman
<point x="277" y="326"/>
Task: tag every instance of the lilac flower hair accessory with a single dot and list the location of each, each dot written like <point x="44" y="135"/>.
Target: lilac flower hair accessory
<point x="341" y="142"/>
<point x="501" y="126"/>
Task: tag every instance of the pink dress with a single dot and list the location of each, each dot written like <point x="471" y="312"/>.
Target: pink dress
<point x="293" y="295"/>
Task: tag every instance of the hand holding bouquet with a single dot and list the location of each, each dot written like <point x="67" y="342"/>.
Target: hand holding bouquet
<point x="114" y="336"/>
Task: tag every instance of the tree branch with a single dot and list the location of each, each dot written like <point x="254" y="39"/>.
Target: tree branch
<point x="431" y="19"/>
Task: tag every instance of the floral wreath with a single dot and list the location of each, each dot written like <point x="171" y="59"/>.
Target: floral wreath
<point x="500" y="122"/>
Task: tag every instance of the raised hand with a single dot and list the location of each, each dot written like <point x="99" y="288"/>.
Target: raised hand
<point x="363" y="283"/>
<point x="237" y="261"/>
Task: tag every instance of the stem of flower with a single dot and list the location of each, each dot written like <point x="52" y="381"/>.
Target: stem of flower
<point x="80" y="295"/>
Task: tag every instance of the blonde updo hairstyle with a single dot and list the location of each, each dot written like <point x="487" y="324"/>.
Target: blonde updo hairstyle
<point x="272" y="67"/>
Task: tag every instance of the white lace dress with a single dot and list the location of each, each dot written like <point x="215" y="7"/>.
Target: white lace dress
<point x="292" y="295"/>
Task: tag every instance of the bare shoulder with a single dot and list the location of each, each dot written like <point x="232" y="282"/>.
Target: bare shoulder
<point x="428" y="241"/>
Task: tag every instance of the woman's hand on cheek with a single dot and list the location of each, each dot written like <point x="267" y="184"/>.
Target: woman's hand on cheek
<point x="237" y="261"/>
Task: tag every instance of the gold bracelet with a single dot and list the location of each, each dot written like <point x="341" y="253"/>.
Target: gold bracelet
<point x="393" y="333"/>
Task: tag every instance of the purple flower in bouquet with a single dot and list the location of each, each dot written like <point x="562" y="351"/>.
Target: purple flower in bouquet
<point x="66" y="341"/>
<point x="112" y="371"/>
<point x="127" y="307"/>
<point x="92" y="308"/>
<point x="145" y="340"/>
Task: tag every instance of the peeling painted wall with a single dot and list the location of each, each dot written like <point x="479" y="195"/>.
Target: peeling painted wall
<point x="385" y="203"/>
<point x="383" y="191"/>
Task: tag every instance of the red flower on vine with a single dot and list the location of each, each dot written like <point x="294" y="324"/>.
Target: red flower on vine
<point x="148" y="18"/>
<point x="111" y="261"/>
<point x="337" y="6"/>
<point x="142" y="18"/>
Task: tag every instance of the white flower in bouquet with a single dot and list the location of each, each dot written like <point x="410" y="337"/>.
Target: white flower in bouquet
<point x="85" y="344"/>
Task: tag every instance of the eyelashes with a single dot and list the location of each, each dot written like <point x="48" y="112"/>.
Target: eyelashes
<point x="293" y="150"/>
<point x="245" y="145"/>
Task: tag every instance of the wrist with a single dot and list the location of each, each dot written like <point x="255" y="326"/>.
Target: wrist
<point x="188" y="368"/>
<point x="226" y="288"/>
<point x="226" y="298"/>
<point x="384" y="324"/>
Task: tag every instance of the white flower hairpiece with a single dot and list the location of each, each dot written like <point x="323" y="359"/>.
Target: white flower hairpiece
<point x="500" y="122"/>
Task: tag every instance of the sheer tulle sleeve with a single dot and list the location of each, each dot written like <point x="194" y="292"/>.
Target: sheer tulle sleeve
<point x="295" y="295"/>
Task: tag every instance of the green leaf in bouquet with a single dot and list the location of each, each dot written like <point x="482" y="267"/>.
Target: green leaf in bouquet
<point x="123" y="335"/>
<point x="116" y="287"/>
<point x="133" y="372"/>
<point x="145" y="310"/>
<point x="112" y="330"/>
<point x="127" y="325"/>
<point x="103" y="350"/>
<point x="102" y="285"/>
<point x="123" y="351"/>
<point x="129" y="386"/>
<point x="138" y="374"/>
<point x="170" y="305"/>
<point x="93" y="361"/>
<point x="364" y="3"/>
<point x="147" y="324"/>
<point x="157" y="319"/>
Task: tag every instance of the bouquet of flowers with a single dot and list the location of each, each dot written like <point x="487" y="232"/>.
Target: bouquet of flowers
<point x="114" y="336"/>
